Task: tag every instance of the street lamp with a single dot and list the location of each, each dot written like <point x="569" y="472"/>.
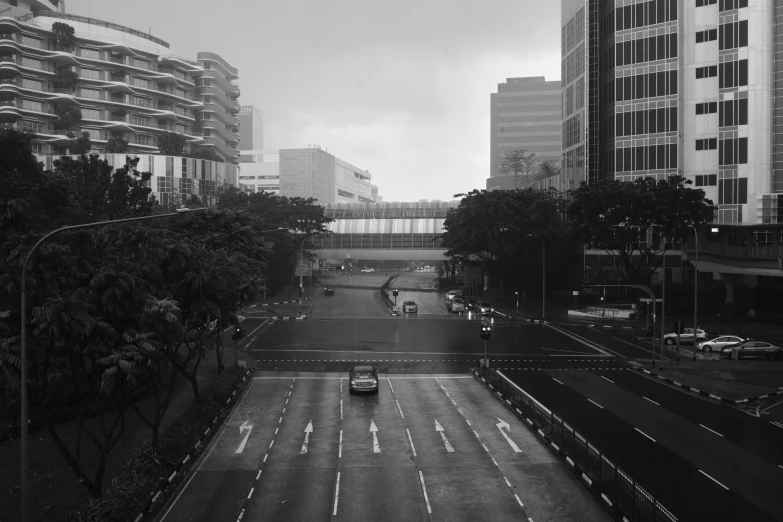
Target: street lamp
<point x="543" y="276"/>
<point x="695" y="288"/>
<point x="25" y="471"/>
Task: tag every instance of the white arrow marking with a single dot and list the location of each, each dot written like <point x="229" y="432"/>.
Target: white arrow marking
<point x="243" y="427"/>
<point x="374" y="429"/>
<point x="439" y="429"/>
<point x="503" y="424"/>
<point x="308" y="431"/>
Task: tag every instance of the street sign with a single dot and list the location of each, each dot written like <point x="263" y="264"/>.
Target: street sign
<point x="576" y="292"/>
<point x="302" y="272"/>
<point x="648" y="300"/>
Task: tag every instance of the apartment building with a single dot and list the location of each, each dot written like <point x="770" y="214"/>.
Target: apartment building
<point x="120" y="84"/>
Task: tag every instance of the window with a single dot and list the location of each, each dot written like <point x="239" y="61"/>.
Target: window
<point x="733" y="112"/>
<point x="652" y="157"/>
<point x="35" y="85"/>
<point x="733" y="35"/>
<point x="91" y="114"/>
<point x="733" y="151"/>
<point x="647" y="49"/>
<point x="733" y="191"/>
<point x="707" y="144"/>
<point x="702" y="3"/>
<point x="706" y="36"/>
<point x="141" y="82"/>
<point x="90" y="74"/>
<point x="30" y="126"/>
<point x="706" y="72"/>
<point x="140" y="101"/>
<point x="707" y="108"/>
<point x="141" y="120"/>
<point x="90" y="53"/>
<point x="31" y="42"/>
<point x="30" y="105"/>
<point x="92" y="94"/>
<point x="646" y="85"/>
<point x="728" y="5"/>
<point x="733" y="74"/>
<point x="645" y="13"/>
<point x="706" y="180"/>
<point x="33" y="64"/>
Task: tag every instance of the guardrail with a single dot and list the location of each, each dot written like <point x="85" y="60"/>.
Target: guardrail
<point x="616" y="487"/>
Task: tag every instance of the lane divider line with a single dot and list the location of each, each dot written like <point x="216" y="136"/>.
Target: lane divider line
<point x="652" y="401"/>
<point x="424" y="490"/>
<point x="643" y="433"/>
<point x="411" y="441"/>
<point x="713" y="431"/>
<point x="336" y="494"/>
<point x="399" y="409"/>
<point x="713" y="479"/>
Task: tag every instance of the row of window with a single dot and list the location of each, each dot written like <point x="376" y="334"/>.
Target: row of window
<point x="733" y="112"/>
<point x="706" y="108"/>
<point x="646" y="13"/>
<point x="646" y="122"/>
<point x="646" y="49"/>
<point x="733" y="191"/>
<point x="733" y="35"/>
<point x="730" y="74"/>
<point x="733" y="151"/>
<point x="706" y="180"/>
<point x="651" y="157"/>
<point x="729" y="5"/>
<point x="707" y="144"/>
<point x="708" y="71"/>
<point x="708" y="35"/>
<point x="646" y="86"/>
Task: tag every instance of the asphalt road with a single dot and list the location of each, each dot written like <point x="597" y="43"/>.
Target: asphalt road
<point x="300" y="447"/>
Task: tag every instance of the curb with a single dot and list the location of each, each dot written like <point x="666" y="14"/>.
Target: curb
<point x="708" y="394"/>
<point x="592" y="484"/>
<point x="200" y="444"/>
<point x="280" y="302"/>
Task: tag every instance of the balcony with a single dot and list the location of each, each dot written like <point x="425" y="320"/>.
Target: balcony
<point x="61" y="49"/>
<point x="7" y="81"/>
<point x="117" y="117"/>
<point x="117" y="59"/>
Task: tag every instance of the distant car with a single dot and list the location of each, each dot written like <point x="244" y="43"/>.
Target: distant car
<point x="456" y="305"/>
<point x="328" y="290"/>
<point x="686" y="337"/>
<point x="484" y="308"/>
<point x="367" y="270"/>
<point x="426" y="267"/>
<point x="363" y="379"/>
<point x="451" y="294"/>
<point x="715" y="345"/>
<point x="471" y="304"/>
<point x="410" y="307"/>
<point x="746" y="349"/>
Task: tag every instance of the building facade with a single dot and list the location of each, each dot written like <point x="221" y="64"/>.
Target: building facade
<point x="261" y="170"/>
<point x="121" y="85"/>
<point x="663" y="87"/>
<point x="524" y="114"/>
<point x="251" y="132"/>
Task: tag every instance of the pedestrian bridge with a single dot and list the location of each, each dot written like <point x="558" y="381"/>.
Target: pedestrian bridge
<point x="385" y="231"/>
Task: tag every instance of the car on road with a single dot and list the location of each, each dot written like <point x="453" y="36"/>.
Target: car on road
<point x="451" y="294"/>
<point x="328" y="290"/>
<point x="367" y="270"/>
<point x="686" y="336"/>
<point x="363" y="378"/>
<point x="484" y="308"/>
<point x="715" y="345"/>
<point x="753" y="348"/>
<point x="471" y="304"/>
<point x="456" y="305"/>
<point x="410" y="307"/>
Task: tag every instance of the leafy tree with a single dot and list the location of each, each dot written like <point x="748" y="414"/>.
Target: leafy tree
<point x="205" y="153"/>
<point x="66" y="79"/>
<point x="69" y="115"/>
<point x="64" y="35"/>
<point x="518" y="162"/>
<point x="547" y="169"/>
<point x="81" y="145"/>
<point x="618" y="217"/>
<point x="116" y="145"/>
<point x="171" y="144"/>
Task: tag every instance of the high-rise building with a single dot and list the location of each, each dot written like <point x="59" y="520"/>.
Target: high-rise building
<point x="251" y="131"/>
<point x="120" y="84"/>
<point x="663" y="87"/>
<point x="524" y="114"/>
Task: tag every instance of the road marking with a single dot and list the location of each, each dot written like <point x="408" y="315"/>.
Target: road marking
<point x="270" y="444"/>
<point x="411" y="441"/>
<point x="713" y="431"/>
<point x="557" y="381"/>
<point x="308" y="431"/>
<point x="634" y="345"/>
<point x="399" y="409"/>
<point x="652" y="401"/>
<point x="259" y="474"/>
<point x="607" y="379"/>
<point x="251" y="492"/>
<point x="376" y="448"/>
<point x="779" y="425"/>
<point x="591" y="400"/>
<point x="643" y="433"/>
<point x="521" y="504"/>
<point x="243" y="427"/>
<point x="503" y="424"/>
<point x="340" y="446"/>
<point x="336" y="494"/>
<point x="424" y="489"/>
<point x="584" y="341"/>
<point x="709" y="477"/>
<point x="765" y="409"/>
<point x="507" y="482"/>
<point x="390" y="384"/>
<point x="440" y="430"/>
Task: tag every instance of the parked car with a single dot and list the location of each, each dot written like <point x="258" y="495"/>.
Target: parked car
<point x="752" y="348"/>
<point x="410" y="307"/>
<point x="471" y="304"/>
<point x="328" y="290"/>
<point x="451" y="294"/>
<point x="367" y="270"/>
<point x="686" y="337"/>
<point x="457" y="304"/>
<point x="484" y="308"/>
<point x="363" y="379"/>
<point x="715" y="345"/>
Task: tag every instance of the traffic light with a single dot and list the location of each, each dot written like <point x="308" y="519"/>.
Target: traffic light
<point x="395" y="292"/>
<point x="486" y="331"/>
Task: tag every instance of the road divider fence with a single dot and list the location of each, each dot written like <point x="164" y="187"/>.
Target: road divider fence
<point x="607" y="481"/>
<point x="384" y="297"/>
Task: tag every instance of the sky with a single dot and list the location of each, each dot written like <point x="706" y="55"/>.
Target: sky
<point x="401" y="89"/>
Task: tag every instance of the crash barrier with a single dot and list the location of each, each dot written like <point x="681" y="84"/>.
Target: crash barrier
<point x="615" y="487"/>
<point x="384" y="296"/>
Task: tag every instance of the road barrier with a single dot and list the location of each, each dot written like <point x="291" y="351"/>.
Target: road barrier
<point x="625" y="497"/>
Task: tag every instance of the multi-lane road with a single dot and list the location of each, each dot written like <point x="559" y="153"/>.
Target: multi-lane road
<point x="433" y="444"/>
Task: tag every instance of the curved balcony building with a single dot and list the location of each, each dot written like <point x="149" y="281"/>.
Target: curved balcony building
<point x="125" y="84"/>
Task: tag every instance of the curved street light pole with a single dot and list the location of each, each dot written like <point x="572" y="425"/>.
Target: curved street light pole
<point x="23" y="442"/>
<point x="543" y="276"/>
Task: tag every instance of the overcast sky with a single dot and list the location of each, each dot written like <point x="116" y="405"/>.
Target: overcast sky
<point x="397" y="88"/>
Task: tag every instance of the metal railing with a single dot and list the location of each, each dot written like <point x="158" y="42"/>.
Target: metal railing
<point x="101" y="23"/>
<point x="635" y="501"/>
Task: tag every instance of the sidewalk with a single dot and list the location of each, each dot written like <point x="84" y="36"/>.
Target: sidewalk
<point x="54" y="488"/>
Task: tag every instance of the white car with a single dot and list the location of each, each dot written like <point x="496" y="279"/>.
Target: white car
<point x="367" y="270"/>
<point x="715" y="345"/>
<point x="451" y="294"/>
<point x="686" y="336"/>
<point x="456" y="305"/>
<point x="410" y="307"/>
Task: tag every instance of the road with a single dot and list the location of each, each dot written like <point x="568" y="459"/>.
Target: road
<point x="700" y="459"/>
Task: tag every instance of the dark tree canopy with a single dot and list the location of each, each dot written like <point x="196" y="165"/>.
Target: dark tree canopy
<point x="617" y="216"/>
<point x="171" y="144"/>
<point x="116" y="145"/>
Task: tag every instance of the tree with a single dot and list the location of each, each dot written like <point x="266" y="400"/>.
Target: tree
<point x="64" y="35"/>
<point x="205" y="153"/>
<point x="518" y="162"/>
<point x="81" y="145"/>
<point x="171" y="144"/>
<point x="116" y="145"/>
<point x="66" y="79"/>
<point x="548" y="168"/>
<point x="618" y="217"/>
<point x="70" y="115"/>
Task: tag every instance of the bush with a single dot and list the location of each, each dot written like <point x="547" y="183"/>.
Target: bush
<point x="145" y="473"/>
